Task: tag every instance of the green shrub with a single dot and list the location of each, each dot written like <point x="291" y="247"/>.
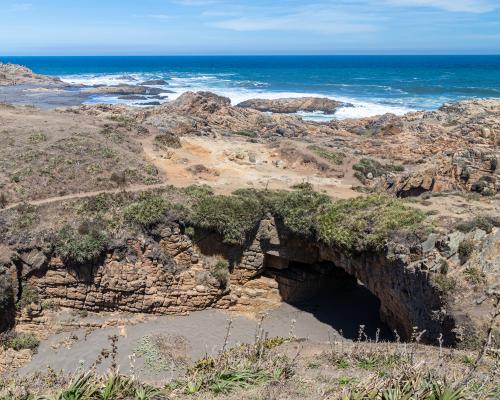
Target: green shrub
<point x="365" y="223"/>
<point x="167" y="140"/>
<point x="29" y="295"/>
<point x="474" y="276"/>
<point x="38" y="137"/>
<point x="303" y="186"/>
<point x="147" y="212"/>
<point x="97" y="204"/>
<point x="198" y="191"/>
<point x="220" y="271"/>
<point x="366" y="166"/>
<point x="231" y="216"/>
<point x="298" y="209"/>
<point x="19" y="341"/>
<point x="335" y="157"/>
<point x="445" y="283"/>
<point x="85" y="244"/>
<point x="465" y="249"/>
<point x="484" y="222"/>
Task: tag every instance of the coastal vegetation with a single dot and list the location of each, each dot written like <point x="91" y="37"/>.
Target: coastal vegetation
<point x="335" y="157"/>
<point x="368" y="168"/>
<point x="80" y="245"/>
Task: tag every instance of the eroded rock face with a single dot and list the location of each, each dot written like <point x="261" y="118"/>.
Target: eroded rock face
<point x="205" y="113"/>
<point x="149" y="277"/>
<point x="172" y="275"/>
<point x="293" y="105"/>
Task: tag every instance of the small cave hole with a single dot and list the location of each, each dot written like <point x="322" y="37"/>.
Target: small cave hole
<point x="330" y="294"/>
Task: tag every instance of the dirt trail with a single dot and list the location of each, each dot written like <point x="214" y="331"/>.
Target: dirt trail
<point x="136" y="188"/>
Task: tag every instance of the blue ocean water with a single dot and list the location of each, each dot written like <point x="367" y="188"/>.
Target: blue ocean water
<point x="374" y="84"/>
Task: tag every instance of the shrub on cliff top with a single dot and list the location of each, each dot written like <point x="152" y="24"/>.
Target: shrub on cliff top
<point x="298" y="209"/>
<point x="85" y="244"/>
<point x="148" y="211"/>
<point x="231" y="216"/>
<point x="364" y="223"/>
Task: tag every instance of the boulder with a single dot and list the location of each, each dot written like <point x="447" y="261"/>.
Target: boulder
<point x="124" y="90"/>
<point x="293" y="105"/>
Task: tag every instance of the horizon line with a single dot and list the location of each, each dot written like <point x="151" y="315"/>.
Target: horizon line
<point x="265" y="55"/>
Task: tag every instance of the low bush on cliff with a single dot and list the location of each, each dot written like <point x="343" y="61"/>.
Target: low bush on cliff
<point x="29" y="296"/>
<point x="231" y="216"/>
<point x="335" y="157"/>
<point x="167" y="140"/>
<point x="367" y="166"/>
<point x="465" y="249"/>
<point x="364" y="223"/>
<point x="298" y="209"/>
<point x="220" y="271"/>
<point x="80" y="245"/>
<point x="19" y="341"/>
<point x="484" y="222"/>
<point x="148" y="211"/>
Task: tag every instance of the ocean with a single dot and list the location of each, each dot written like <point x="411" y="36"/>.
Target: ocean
<point x="373" y="84"/>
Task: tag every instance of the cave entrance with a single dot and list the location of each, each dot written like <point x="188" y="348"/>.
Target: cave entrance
<point x="330" y="294"/>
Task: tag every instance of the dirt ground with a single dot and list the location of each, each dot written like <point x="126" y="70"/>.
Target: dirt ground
<point x="231" y="163"/>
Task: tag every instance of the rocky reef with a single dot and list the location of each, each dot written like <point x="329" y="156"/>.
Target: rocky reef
<point x="294" y="105"/>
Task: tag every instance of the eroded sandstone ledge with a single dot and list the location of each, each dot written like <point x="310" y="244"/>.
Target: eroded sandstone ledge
<point x="170" y="273"/>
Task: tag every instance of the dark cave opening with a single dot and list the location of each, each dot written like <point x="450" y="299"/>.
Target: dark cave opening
<point x="332" y="295"/>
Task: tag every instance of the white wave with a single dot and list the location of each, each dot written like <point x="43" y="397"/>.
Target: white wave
<point x="360" y="109"/>
<point x="108" y="79"/>
<point x="218" y="83"/>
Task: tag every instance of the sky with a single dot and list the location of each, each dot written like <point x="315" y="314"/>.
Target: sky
<point x="234" y="27"/>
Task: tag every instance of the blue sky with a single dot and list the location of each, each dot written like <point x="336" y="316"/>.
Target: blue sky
<point x="164" y="27"/>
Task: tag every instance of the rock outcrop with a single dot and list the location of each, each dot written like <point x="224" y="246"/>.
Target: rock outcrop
<point x="205" y="113"/>
<point x="293" y="105"/>
<point x="172" y="273"/>
<point x="13" y="74"/>
<point x="125" y="90"/>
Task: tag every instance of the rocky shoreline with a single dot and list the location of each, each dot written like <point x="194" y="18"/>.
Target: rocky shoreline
<point x="197" y="204"/>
